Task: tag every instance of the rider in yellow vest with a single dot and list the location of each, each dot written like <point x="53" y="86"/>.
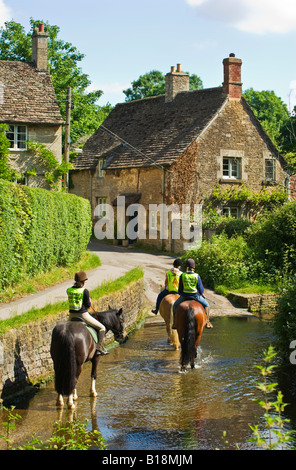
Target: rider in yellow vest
<point x="79" y="303"/>
<point x="191" y="287"/>
<point x="171" y="283"/>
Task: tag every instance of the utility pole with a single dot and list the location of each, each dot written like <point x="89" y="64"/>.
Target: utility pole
<point x="67" y="137"/>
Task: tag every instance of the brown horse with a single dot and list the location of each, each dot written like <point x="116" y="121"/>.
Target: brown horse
<point x="72" y="345"/>
<point x="166" y="311"/>
<point x="190" y="320"/>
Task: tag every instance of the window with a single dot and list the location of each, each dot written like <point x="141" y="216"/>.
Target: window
<point x="17" y="136"/>
<point x="269" y="169"/>
<point x="101" y="206"/>
<point x="232" y="167"/>
<point x="102" y="162"/>
<point x="231" y="212"/>
<point x="153" y="220"/>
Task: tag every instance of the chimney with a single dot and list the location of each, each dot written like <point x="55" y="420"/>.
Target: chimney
<point x="232" y="84"/>
<point x="39" y="48"/>
<point x="175" y="82"/>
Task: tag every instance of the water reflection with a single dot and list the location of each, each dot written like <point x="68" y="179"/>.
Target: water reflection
<point x="145" y="403"/>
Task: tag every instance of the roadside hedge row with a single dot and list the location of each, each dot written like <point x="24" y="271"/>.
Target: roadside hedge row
<point x="40" y="229"/>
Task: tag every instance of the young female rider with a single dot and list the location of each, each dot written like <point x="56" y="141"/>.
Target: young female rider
<point x="191" y="287"/>
<point x="79" y="303"/>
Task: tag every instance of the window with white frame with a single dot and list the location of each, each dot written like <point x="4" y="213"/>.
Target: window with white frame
<point x="269" y="169"/>
<point x="102" y="162"/>
<point x="17" y="136"/>
<point x="231" y="212"/>
<point x="232" y="168"/>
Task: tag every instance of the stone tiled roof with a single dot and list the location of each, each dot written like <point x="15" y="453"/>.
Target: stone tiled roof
<point x="151" y="130"/>
<point x="27" y="95"/>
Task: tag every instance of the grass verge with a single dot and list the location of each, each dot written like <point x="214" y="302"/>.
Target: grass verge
<point x="54" y="276"/>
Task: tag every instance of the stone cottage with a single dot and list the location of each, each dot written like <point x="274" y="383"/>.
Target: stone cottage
<point x="177" y="148"/>
<point x="28" y="106"/>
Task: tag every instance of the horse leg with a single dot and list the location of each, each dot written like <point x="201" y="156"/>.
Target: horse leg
<point x="60" y="401"/>
<point x="95" y="361"/>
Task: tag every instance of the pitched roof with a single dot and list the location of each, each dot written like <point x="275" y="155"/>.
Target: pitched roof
<point x="27" y="95"/>
<point x="151" y="130"/>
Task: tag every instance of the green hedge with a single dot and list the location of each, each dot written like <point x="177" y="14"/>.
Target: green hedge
<point x="40" y="229"/>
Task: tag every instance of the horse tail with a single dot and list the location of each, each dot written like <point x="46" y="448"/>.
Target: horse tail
<point x="188" y="344"/>
<point x="63" y="355"/>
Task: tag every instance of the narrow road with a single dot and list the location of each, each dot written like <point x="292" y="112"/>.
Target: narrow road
<point x="116" y="261"/>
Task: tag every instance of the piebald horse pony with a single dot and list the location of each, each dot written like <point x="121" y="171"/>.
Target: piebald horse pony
<point x="166" y="311"/>
<point x="190" y="320"/>
<point x="72" y="345"/>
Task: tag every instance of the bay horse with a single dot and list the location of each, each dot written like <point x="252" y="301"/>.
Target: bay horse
<point x="166" y="311"/>
<point x="190" y="320"/>
<point x="72" y="345"/>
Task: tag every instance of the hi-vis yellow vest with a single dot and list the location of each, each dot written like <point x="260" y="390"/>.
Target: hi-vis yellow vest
<point x="75" y="297"/>
<point x="173" y="279"/>
<point x="190" y="283"/>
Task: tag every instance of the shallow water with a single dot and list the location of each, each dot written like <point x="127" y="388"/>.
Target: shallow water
<point x="144" y="402"/>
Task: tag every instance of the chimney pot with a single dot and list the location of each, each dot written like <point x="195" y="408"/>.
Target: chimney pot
<point x="175" y="83"/>
<point x="41" y="28"/>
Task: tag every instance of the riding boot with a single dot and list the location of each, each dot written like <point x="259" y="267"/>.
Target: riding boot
<point x="208" y="324"/>
<point x="100" y="344"/>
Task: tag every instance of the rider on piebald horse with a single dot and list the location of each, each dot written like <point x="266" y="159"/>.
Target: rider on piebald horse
<point x="79" y="303"/>
<point x="191" y="287"/>
<point x="171" y="283"/>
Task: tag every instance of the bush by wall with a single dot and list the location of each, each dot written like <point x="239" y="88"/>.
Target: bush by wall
<point x="39" y="229"/>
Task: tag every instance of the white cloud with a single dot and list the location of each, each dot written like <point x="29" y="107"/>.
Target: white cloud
<point x="5" y="13"/>
<point x="253" y="16"/>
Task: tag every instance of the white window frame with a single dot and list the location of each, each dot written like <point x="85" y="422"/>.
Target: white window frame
<point x="233" y="167"/>
<point x="14" y="129"/>
<point x="229" y="211"/>
<point x="272" y="168"/>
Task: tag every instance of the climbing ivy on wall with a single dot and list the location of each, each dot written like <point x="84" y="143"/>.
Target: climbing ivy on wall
<point x="40" y="229"/>
<point x="55" y="170"/>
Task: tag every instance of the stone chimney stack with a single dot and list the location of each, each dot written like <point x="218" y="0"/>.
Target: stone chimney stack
<point x="232" y="84"/>
<point x="39" y="48"/>
<point x="175" y="82"/>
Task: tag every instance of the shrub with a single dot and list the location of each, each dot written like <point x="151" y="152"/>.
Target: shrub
<point x="221" y="261"/>
<point x="273" y="239"/>
<point x="40" y="229"/>
<point x="285" y="320"/>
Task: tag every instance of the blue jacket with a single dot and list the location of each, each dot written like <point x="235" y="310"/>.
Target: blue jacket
<point x="200" y="287"/>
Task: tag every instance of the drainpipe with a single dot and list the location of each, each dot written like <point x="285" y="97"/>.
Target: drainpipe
<point x="162" y="215"/>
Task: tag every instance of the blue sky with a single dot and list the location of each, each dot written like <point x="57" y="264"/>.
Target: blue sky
<point x="123" y="39"/>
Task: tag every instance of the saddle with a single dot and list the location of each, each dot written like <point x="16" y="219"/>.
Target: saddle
<point x="92" y="330"/>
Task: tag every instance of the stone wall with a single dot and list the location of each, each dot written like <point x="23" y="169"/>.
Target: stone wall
<point x="25" y="352"/>
<point x="255" y="303"/>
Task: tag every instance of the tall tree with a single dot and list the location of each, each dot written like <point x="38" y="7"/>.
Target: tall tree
<point x="63" y="60"/>
<point x="274" y="117"/>
<point x="153" y="84"/>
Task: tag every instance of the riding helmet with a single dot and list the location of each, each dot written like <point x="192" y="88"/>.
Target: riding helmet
<point x="190" y="263"/>
<point x="80" y="276"/>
